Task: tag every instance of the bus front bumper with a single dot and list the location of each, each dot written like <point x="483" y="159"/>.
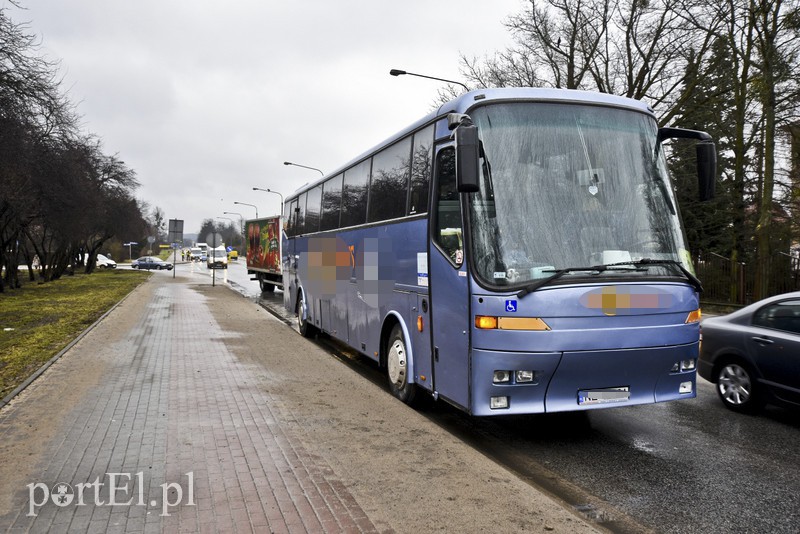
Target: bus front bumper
<point x="525" y="382"/>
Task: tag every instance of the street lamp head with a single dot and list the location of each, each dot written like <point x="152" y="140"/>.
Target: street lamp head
<point x="268" y="190"/>
<point x="398" y="72"/>
<point x="304" y="166"/>
<point x="246" y="204"/>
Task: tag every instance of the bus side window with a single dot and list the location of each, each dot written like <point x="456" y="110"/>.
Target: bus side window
<point x="447" y="226"/>
<point x="291" y="224"/>
<point x="421" y="163"/>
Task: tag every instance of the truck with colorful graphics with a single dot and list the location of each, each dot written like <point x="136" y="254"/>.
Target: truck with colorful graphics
<point x="264" y="252"/>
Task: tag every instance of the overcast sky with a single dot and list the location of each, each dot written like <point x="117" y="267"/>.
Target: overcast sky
<point x="206" y="99"/>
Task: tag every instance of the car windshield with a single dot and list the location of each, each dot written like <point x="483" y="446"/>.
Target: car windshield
<point x="565" y="186"/>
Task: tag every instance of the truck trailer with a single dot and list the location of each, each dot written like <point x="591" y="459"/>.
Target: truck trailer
<point x="264" y="252"/>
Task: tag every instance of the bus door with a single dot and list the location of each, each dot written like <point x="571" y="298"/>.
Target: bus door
<point x="449" y="289"/>
<point x="288" y="255"/>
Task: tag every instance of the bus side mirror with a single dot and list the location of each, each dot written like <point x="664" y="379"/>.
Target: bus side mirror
<point x="706" y="170"/>
<point x="467" y="158"/>
<point x="706" y="157"/>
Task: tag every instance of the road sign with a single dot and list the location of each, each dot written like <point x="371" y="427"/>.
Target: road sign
<point x="175" y="231"/>
<point x="214" y="240"/>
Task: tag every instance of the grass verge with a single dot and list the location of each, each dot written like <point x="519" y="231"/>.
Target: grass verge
<point x="38" y="320"/>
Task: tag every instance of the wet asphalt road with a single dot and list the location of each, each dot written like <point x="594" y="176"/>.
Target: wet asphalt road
<point x="687" y="466"/>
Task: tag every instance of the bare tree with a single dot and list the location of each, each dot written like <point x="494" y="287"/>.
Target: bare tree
<point x="59" y="194"/>
<point x="635" y="48"/>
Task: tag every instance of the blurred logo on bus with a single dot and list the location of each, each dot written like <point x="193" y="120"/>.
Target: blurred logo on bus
<point x="332" y="264"/>
<point x="614" y="300"/>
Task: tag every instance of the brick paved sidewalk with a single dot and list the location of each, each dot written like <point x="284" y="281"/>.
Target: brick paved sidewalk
<point x="171" y="409"/>
<point x="207" y="414"/>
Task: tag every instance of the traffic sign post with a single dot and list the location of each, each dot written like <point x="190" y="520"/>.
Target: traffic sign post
<point x="129" y="245"/>
<point x="212" y="241"/>
<point x="175" y="236"/>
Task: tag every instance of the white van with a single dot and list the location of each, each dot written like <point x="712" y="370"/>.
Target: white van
<point x="102" y="262"/>
<point x="217" y="258"/>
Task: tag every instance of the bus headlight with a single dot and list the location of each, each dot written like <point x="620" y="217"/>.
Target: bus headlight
<point x="501" y="377"/>
<point x="684" y="365"/>
<point x="524" y="376"/>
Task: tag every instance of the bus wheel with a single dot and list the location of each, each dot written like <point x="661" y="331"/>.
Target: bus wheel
<point x="306" y="328"/>
<point x="397" y="367"/>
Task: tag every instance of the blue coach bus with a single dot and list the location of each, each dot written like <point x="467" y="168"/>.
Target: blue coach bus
<point x="515" y="251"/>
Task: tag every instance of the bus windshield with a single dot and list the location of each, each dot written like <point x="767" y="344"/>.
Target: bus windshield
<point x="565" y="186"/>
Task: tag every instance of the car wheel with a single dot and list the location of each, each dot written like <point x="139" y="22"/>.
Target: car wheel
<point x="737" y="387"/>
<point x="306" y="328"/>
<point x="397" y="367"/>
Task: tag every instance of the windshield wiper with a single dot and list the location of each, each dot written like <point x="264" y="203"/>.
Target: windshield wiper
<point x="558" y="273"/>
<point x="597" y="269"/>
<point x="693" y="280"/>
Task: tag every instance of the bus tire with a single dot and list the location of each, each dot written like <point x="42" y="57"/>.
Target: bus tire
<point x="306" y="329"/>
<point x="397" y="367"/>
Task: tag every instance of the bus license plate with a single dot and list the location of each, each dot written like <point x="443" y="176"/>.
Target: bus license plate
<point x="603" y="396"/>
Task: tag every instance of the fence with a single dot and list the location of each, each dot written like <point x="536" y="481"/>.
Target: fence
<point x="737" y="283"/>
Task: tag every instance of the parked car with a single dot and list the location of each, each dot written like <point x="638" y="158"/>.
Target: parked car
<point x="104" y="262"/>
<point x="150" y="262"/>
<point x="753" y="355"/>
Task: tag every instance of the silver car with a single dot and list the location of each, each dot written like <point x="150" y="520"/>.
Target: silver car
<point x="753" y="355"/>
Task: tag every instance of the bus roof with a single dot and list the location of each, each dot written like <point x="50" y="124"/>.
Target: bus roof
<point x="465" y="102"/>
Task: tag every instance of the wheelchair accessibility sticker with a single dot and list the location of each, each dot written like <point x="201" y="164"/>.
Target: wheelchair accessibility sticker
<point x="511" y="305"/>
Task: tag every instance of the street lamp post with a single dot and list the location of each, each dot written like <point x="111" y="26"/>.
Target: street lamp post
<point x="241" y="219"/>
<point x="304" y="166"/>
<point x="398" y="72"/>
<point x="271" y="191"/>
<point x="251" y="205"/>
